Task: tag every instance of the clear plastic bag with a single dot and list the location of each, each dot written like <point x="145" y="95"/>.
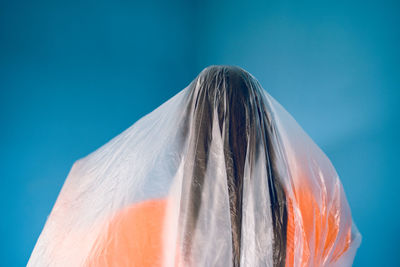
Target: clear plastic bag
<point x="219" y="175"/>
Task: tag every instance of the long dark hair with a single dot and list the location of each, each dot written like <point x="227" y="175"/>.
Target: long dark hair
<point x="244" y="122"/>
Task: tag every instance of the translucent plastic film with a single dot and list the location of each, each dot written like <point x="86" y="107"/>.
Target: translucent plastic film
<point x="219" y="175"/>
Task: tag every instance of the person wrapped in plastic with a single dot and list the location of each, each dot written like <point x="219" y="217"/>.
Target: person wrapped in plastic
<point x="219" y="175"/>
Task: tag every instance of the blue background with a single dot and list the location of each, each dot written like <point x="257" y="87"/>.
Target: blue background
<point x="74" y="74"/>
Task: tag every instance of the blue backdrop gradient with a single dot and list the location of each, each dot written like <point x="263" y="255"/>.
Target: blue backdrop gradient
<point x="74" y="74"/>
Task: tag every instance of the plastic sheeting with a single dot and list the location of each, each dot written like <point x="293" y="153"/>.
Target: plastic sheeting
<point x="219" y="175"/>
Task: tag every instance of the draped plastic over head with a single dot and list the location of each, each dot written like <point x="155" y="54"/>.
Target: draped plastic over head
<point x="219" y="175"/>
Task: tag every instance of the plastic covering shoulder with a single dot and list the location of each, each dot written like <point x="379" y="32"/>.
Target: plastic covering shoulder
<point x="219" y="175"/>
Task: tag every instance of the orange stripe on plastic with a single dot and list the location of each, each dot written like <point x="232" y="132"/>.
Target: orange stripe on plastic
<point x="133" y="238"/>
